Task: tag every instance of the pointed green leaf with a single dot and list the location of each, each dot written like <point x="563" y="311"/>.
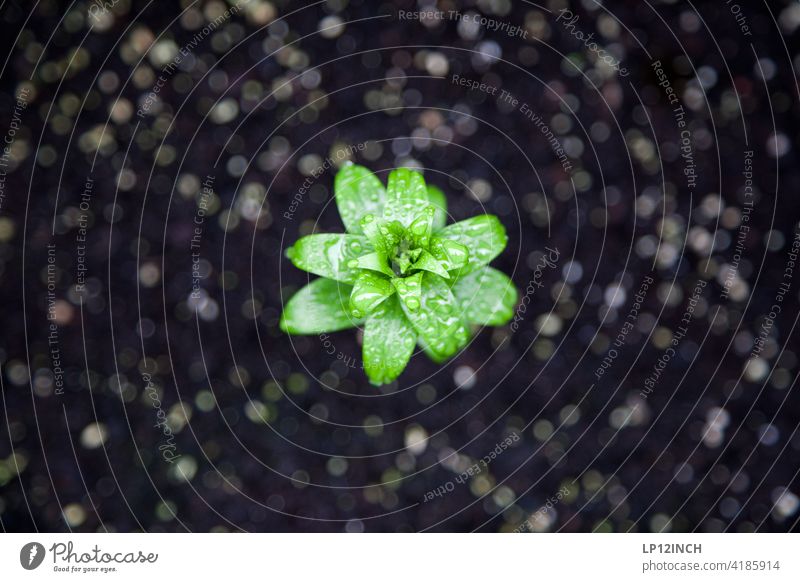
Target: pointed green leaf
<point x="406" y="193"/>
<point x="402" y="263"/>
<point x="484" y="236"/>
<point x="421" y="227"/>
<point x="358" y="192"/>
<point x="329" y="255"/>
<point x="320" y="306"/>
<point x="373" y="262"/>
<point x="392" y="232"/>
<point x="370" y="226"/>
<point x="439" y="200"/>
<point x="439" y="324"/>
<point x="409" y="289"/>
<point x="389" y="342"/>
<point x="426" y="262"/>
<point x="383" y="235"/>
<point x="451" y="254"/>
<point x="369" y="291"/>
<point x="486" y="297"/>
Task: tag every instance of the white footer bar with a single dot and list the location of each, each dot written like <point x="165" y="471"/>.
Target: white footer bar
<point x="400" y="557"/>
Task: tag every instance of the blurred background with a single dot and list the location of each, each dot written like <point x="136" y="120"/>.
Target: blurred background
<point x="158" y="158"/>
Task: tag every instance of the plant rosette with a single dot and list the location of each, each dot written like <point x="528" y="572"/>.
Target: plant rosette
<point x="400" y="272"/>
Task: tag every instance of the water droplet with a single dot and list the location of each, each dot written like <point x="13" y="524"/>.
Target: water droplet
<point x="368" y="218"/>
<point x="412" y="304"/>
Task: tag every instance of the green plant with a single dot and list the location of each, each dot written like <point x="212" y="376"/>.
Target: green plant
<point x="400" y="272"/>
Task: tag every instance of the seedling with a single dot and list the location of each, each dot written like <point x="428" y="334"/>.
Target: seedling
<point x="400" y="272"/>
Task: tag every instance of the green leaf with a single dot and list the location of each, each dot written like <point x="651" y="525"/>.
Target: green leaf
<point x="449" y="253"/>
<point x="484" y="236"/>
<point x="405" y="260"/>
<point x="437" y="198"/>
<point x="426" y="262"/>
<point x="421" y="227"/>
<point x="406" y="193"/>
<point x="329" y="255"/>
<point x="392" y="232"/>
<point x="320" y="306"/>
<point x="383" y="235"/>
<point x="373" y="262"/>
<point x="486" y="297"/>
<point x="370" y="290"/>
<point x="409" y="289"/>
<point x="389" y="342"/>
<point x="441" y="328"/>
<point x="358" y="192"/>
<point x="370" y="226"/>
